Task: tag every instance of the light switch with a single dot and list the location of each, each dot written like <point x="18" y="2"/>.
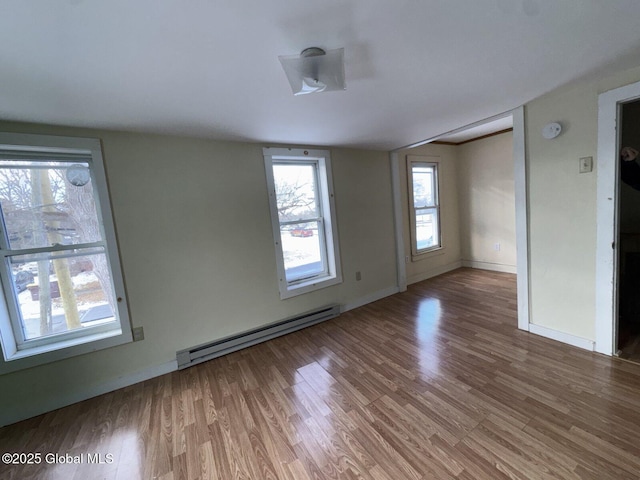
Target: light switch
<point x="586" y="164"/>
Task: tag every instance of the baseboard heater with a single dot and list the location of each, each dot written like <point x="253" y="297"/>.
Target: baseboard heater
<point x="207" y="351"/>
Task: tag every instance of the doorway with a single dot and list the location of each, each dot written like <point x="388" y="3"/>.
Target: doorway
<point x="520" y="190"/>
<point x="614" y="267"/>
<point x="628" y="331"/>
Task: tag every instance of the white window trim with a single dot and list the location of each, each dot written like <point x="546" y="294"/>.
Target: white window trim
<point x="15" y="359"/>
<point x="334" y="274"/>
<point x="427" y="161"/>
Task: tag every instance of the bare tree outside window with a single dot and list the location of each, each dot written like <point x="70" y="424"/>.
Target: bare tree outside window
<point x="43" y="209"/>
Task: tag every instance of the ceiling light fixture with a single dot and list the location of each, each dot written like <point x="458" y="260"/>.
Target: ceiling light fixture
<point x="315" y="70"/>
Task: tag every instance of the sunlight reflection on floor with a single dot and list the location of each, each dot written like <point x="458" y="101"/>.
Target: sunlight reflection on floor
<point x="427" y="329"/>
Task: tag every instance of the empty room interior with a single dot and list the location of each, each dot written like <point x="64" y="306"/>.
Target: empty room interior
<point x="337" y="240"/>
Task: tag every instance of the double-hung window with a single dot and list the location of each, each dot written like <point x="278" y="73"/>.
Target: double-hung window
<point x="424" y="207"/>
<point x="61" y="281"/>
<point x="303" y="218"/>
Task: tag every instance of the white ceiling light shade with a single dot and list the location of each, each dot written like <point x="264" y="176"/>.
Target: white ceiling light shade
<point x="315" y="70"/>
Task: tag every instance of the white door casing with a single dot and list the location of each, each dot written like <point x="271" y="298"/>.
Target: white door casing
<point x="606" y="214"/>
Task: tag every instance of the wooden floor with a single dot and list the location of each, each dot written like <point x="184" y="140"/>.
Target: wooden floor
<point x="434" y="383"/>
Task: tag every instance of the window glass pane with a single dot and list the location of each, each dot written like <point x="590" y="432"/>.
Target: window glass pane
<point x="301" y="248"/>
<point x="296" y="191"/>
<point x="426" y="228"/>
<point x="47" y="203"/>
<point x="62" y="294"/>
<point x="423" y="186"/>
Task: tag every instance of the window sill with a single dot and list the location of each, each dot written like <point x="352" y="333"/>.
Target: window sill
<point x="428" y="254"/>
<point x="43" y="354"/>
<point x="288" y="291"/>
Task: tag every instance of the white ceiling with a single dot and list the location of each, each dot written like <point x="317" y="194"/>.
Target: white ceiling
<point x="475" y="131"/>
<point x="415" y="69"/>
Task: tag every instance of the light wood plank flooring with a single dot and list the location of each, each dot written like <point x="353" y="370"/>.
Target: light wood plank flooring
<point x="434" y="383"/>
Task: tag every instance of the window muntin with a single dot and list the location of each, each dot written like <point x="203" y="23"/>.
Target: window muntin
<point x="60" y="287"/>
<point x="424" y="206"/>
<point x="296" y="190"/>
<point x="301" y="201"/>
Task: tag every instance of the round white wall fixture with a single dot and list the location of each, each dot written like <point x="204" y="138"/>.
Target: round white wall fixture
<point x="551" y="130"/>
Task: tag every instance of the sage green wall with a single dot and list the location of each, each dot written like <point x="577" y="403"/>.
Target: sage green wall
<point x="487" y="202"/>
<point x="562" y="206"/>
<point x="193" y="225"/>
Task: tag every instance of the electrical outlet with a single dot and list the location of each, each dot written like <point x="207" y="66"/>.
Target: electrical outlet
<point x="406" y="259"/>
<point x="358" y="276"/>
<point x="496" y="247"/>
<point x="138" y="334"/>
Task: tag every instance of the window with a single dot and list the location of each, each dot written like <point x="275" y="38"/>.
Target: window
<point x="61" y="282"/>
<point x="424" y="208"/>
<point x="303" y="218"/>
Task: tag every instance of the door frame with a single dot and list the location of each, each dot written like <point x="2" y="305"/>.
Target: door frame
<point x="522" y="218"/>
<point x="521" y="206"/>
<point x="607" y="236"/>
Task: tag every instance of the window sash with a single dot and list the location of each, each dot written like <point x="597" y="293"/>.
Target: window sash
<point x="18" y="321"/>
<point x="420" y="208"/>
<point x="430" y="175"/>
<point x="38" y="160"/>
<point x="435" y="212"/>
<point x="316" y="211"/>
<point x="296" y="280"/>
<point x="318" y="218"/>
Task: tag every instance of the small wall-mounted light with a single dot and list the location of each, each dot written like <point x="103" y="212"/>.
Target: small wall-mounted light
<point x="551" y="130"/>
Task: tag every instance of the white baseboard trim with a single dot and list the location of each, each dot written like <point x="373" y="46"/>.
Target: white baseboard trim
<point x="495" y="267"/>
<point x="434" y="272"/>
<point x="372" y="297"/>
<point x="60" y="401"/>
<point x="562" y="337"/>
